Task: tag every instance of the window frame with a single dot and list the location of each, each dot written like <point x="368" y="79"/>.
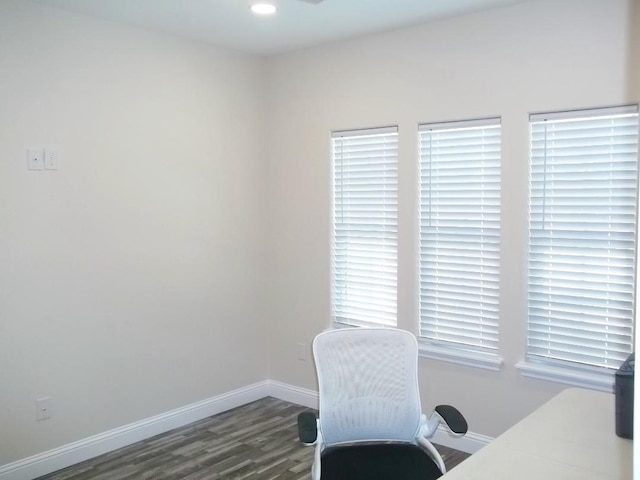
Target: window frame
<point x="553" y="369"/>
<point x="460" y="353"/>
<point x="337" y="321"/>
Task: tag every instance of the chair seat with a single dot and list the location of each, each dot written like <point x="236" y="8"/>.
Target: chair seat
<point x="388" y="461"/>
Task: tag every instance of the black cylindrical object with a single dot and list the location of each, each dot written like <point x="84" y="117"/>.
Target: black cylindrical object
<point x="624" y="398"/>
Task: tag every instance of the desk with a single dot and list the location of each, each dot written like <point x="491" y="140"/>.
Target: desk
<point x="572" y="437"/>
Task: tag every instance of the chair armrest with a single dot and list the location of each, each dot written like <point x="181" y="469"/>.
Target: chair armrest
<point x="307" y="427"/>
<point x="453" y="418"/>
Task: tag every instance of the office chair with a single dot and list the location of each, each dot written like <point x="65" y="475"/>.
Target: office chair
<point x="370" y="424"/>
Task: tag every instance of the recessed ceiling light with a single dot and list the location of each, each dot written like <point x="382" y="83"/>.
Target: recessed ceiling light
<point x="263" y="8"/>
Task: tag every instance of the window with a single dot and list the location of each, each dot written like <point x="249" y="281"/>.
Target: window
<point x="582" y="244"/>
<point x="365" y="226"/>
<point x="460" y="241"/>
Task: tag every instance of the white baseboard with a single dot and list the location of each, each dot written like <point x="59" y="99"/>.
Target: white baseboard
<point x="293" y="394"/>
<point x="70" y="454"/>
<point x="67" y="455"/>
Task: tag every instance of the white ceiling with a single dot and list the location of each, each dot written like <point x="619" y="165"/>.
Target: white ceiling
<point x="297" y="24"/>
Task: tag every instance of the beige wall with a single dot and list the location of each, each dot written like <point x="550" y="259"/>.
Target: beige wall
<point x="634" y="51"/>
<point x="531" y="57"/>
<point x="130" y="278"/>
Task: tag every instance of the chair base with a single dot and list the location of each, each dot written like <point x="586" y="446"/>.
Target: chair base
<point x="389" y="461"/>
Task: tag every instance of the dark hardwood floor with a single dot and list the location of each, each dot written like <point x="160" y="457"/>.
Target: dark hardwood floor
<point x="258" y="441"/>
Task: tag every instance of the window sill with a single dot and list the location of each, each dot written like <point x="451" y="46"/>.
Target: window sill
<point x="571" y="376"/>
<point x="461" y="357"/>
<point x="355" y="323"/>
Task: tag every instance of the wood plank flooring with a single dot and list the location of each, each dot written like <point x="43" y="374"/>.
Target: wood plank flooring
<point x="258" y="441"/>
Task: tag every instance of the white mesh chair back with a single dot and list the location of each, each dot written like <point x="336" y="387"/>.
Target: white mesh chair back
<point x="368" y="383"/>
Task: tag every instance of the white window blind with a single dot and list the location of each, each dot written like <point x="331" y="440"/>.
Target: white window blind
<point x="365" y="230"/>
<point x="582" y="237"/>
<point x="460" y="234"/>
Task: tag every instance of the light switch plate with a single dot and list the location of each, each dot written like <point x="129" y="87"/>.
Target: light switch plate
<point x="35" y="159"/>
<point x="302" y="351"/>
<point x="51" y="158"/>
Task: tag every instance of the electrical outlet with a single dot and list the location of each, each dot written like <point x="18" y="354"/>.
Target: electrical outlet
<point x="302" y="351"/>
<point x="43" y="408"/>
<point x="35" y="159"/>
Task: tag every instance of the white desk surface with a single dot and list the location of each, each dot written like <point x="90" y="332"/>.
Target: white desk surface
<point x="571" y="437"/>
